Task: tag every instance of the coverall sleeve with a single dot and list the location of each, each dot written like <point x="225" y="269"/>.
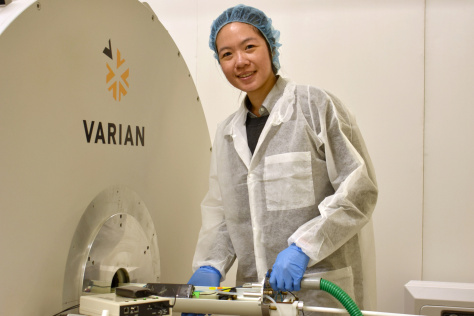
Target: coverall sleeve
<point x="214" y="246"/>
<point x="344" y="213"/>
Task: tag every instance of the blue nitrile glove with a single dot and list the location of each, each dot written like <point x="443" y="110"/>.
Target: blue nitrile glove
<point x="288" y="269"/>
<point x="204" y="276"/>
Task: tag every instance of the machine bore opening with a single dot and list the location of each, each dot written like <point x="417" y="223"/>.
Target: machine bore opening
<point x="120" y="278"/>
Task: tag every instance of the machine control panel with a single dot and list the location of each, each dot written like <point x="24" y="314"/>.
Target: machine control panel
<point x="93" y="305"/>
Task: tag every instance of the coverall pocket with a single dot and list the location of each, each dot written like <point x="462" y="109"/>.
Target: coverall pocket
<point x="288" y="181"/>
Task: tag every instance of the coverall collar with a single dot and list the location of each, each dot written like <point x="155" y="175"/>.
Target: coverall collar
<point x="275" y="93"/>
<point x="276" y="102"/>
<point x="269" y="103"/>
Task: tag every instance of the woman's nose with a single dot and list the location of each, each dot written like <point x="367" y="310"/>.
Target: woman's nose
<point x="241" y="60"/>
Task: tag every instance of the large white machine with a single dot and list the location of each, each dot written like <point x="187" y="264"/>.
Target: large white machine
<point x="104" y="152"/>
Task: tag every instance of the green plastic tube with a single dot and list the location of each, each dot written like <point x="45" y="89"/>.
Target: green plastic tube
<point x="341" y="296"/>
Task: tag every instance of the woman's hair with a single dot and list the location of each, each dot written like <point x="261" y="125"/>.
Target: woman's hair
<point x="254" y="17"/>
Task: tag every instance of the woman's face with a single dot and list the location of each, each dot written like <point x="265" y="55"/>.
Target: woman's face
<point x="245" y="59"/>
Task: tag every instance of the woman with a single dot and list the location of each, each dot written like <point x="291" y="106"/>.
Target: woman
<point x="291" y="182"/>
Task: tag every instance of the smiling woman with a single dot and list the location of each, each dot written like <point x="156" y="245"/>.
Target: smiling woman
<point x="291" y="183"/>
<point x="245" y="61"/>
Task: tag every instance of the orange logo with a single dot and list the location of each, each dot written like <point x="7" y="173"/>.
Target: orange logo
<point x="117" y="75"/>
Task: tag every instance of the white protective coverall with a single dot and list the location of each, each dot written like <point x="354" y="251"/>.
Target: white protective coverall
<point x="310" y="182"/>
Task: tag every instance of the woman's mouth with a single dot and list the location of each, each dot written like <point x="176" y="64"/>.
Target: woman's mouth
<point x="246" y="75"/>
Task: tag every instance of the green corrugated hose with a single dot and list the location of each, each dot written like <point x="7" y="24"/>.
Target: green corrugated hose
<point x="341" y="296"/>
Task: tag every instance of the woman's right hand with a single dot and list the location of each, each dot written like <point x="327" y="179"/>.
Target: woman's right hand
<point x="204" y="276"/>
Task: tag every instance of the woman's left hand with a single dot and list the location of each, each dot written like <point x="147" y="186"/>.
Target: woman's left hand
<point x="289" y="268"/>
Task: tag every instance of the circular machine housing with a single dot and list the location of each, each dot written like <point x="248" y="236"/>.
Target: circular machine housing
<point x="118" y="255"/>
<point x="115" y="243"/>
<point x="94" y="96"/>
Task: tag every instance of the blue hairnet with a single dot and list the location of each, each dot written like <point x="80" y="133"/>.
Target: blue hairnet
<point x="252" y="16"/>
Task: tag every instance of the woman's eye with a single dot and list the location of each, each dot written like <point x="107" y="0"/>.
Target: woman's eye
<point x="250" y="46"/>
<point x="225" y="54"/>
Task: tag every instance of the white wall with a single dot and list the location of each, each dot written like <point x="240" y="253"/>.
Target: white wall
<point x="448" y="234"/>
<point x="371" y="54"/>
